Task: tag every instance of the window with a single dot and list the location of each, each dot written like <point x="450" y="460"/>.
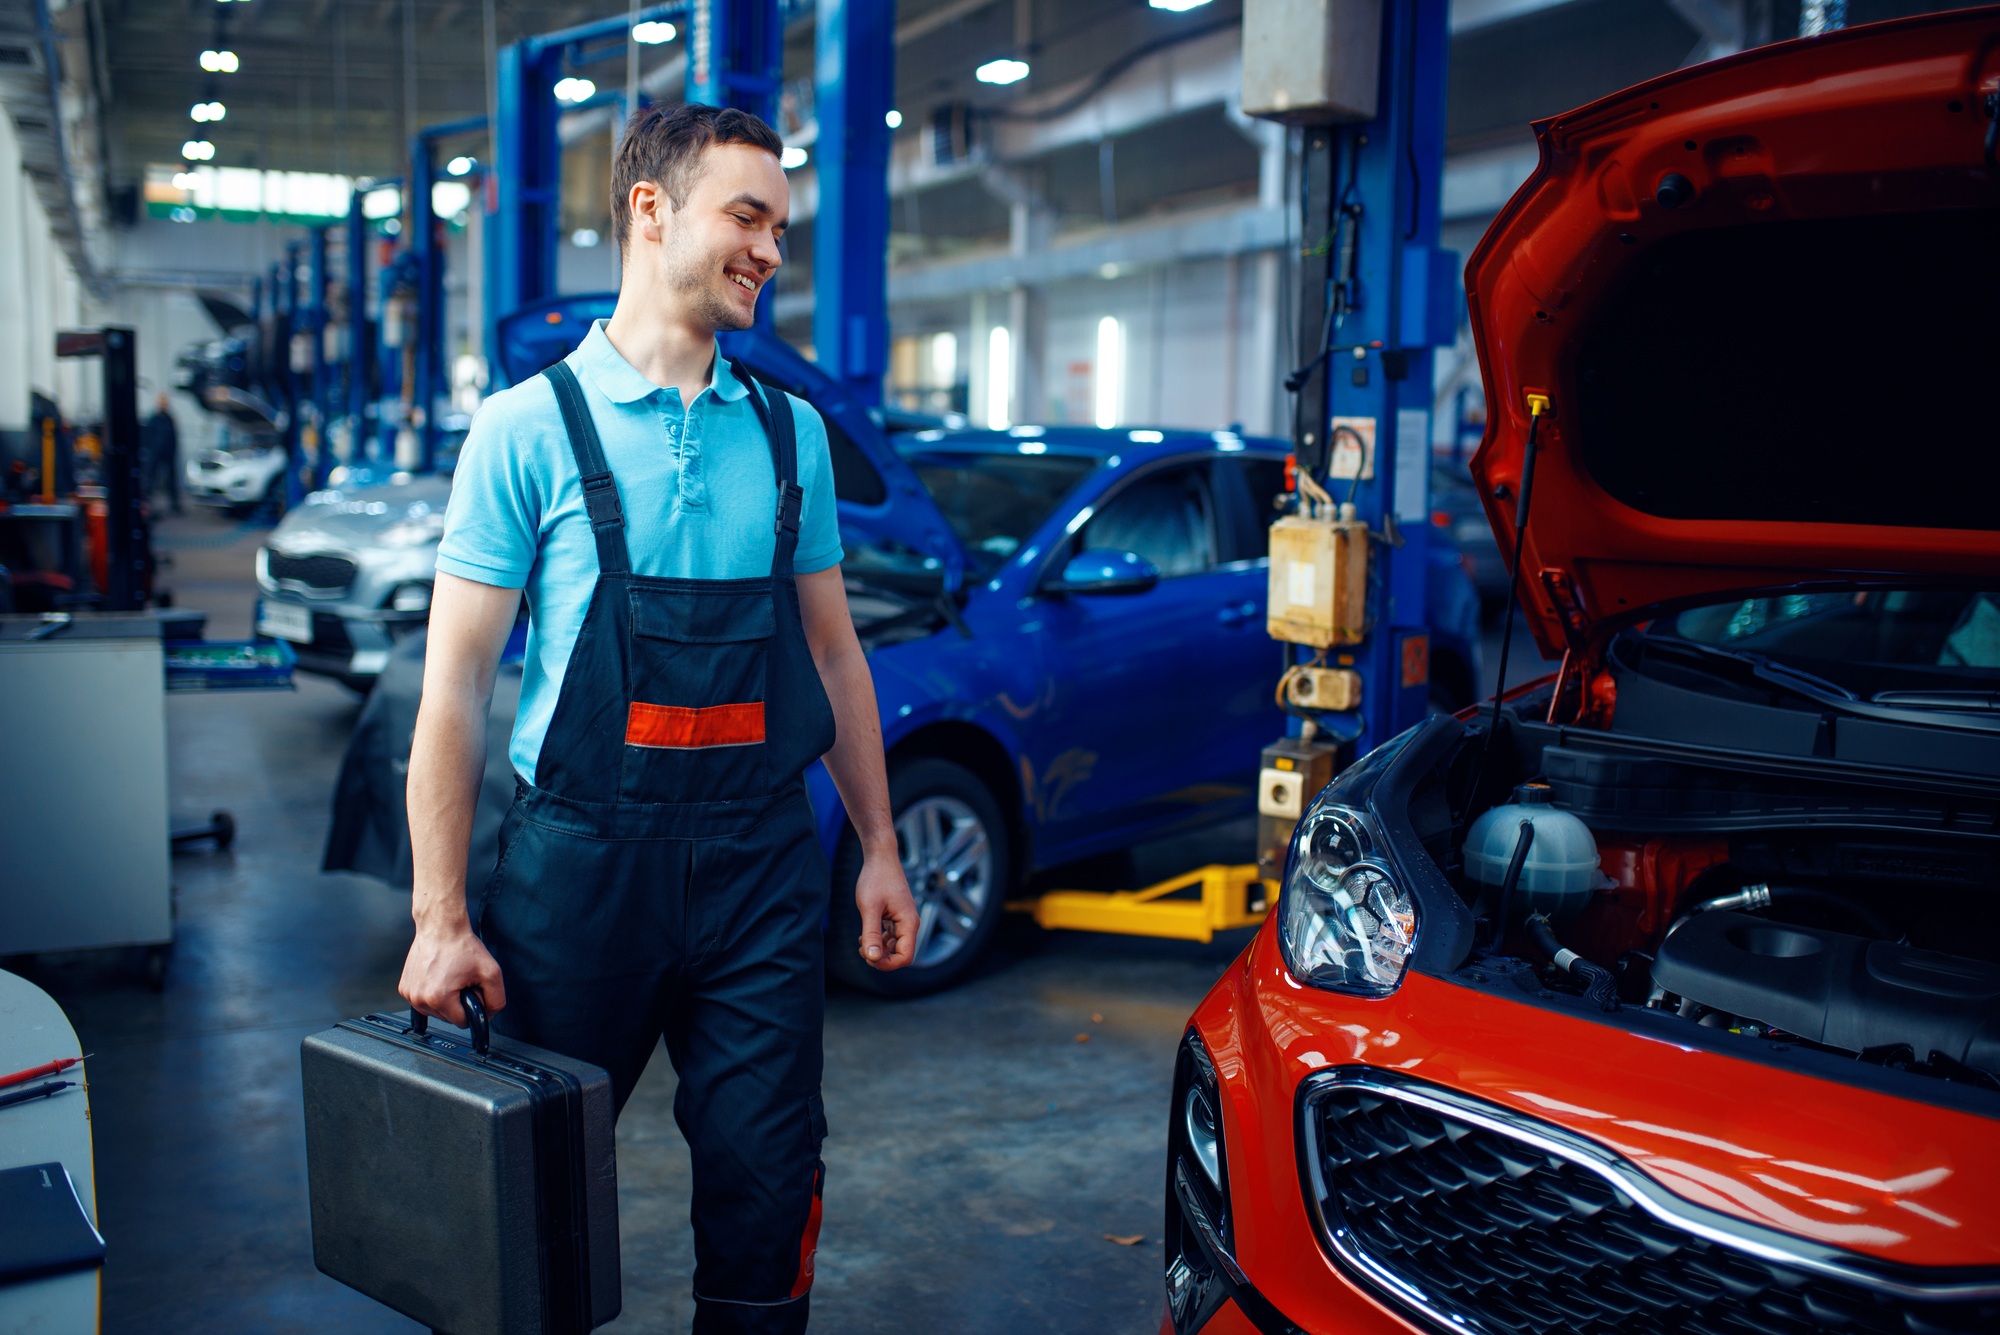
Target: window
<point x="854" y="478"/>
<point x="1166" y="517"/>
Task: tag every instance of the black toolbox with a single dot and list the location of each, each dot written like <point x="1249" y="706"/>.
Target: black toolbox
<point x="471" y="1184"/>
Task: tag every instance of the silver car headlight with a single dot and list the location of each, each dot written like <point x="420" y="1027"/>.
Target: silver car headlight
<point x="1344" y="924"/>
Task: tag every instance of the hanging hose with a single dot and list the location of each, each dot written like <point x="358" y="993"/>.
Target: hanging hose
<point x="1599" y="987"/>
<point x="1522" y="843"/>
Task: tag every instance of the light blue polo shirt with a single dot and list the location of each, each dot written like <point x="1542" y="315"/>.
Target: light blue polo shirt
<point x="700" y="502"/>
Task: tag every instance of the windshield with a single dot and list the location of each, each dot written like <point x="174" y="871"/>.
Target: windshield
<point x="1867" y="642"/>
<point x="994" y="501"/>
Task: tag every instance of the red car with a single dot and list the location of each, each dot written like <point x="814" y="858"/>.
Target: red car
<point x="1665" y="994"/>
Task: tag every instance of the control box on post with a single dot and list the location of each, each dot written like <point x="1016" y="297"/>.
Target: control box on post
<point x="1290" y="777"/>
<point x="1311" y="62"/>
<point x="1319" y="580"/>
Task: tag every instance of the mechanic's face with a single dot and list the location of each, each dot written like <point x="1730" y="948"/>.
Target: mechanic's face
<point x="719" y="248"/>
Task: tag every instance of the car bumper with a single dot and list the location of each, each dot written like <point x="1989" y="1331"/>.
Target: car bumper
<point x="1899" y="1187"/>
<point x="350" y="644"/>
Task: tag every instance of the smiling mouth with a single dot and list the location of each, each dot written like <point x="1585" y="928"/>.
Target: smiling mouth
<point x="743" y="282"/>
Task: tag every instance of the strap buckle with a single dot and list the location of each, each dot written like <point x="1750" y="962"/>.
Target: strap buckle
<point x="791" y="502"/>
<point x="600" y="502"/>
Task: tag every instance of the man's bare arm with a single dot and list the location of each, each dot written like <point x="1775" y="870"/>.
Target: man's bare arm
<point x="859" y="771"/>
<point x="468" y="628"/>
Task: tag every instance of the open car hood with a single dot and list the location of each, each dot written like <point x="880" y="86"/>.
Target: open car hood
<point x="536" y="337"/>
<point x="1762" y="297"/>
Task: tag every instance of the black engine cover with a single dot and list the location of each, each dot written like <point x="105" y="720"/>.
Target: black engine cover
<point x="1844" y="991"/>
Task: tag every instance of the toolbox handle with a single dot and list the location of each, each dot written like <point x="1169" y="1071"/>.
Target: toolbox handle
<point x="475" y="1020"/>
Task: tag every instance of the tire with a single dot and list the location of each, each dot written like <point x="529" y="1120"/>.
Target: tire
<point x="934" y="802"/>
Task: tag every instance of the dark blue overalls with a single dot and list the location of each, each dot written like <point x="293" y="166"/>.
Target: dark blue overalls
<point x="661" y="877"/>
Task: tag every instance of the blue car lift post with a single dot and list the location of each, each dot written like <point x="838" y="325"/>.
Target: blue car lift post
<point x="429" y="258"/>
<point x="1369" y="248"/>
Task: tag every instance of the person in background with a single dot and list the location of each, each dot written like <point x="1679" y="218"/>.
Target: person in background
<point x="161" y="441"/>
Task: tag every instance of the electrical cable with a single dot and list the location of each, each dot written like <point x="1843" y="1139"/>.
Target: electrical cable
<point x="1117" y="67"/>
<point x="1537" y="405"/>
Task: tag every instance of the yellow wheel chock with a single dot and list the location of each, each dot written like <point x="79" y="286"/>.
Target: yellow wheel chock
<point x="1191" y="907"/>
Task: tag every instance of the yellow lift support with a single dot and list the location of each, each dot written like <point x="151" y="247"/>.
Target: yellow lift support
<point x="1193" y="906"/>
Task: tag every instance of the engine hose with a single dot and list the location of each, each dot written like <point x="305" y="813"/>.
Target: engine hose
<point x="1599" y="987"/>
<point x="1508" y="883"/>
<point x="1764" y="896"/>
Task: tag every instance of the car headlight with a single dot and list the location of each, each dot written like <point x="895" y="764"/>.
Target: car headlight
<point x="1344" y="924"/>
<point x="411" y="598"/>
<point x="414" y="531"/>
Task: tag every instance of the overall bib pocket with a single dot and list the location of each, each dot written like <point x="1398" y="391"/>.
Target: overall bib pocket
<point x="698" y="666"/>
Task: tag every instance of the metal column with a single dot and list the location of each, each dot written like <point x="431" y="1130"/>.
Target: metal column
<point x="736" y="51"/>
<point x="429" y="252"/>
<point x="521" y="227"/>
<point x="1372" y="189"/>
<point x="854" y="82"/>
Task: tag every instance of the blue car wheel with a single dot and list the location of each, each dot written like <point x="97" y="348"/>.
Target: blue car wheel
<point x="954" y="844"/>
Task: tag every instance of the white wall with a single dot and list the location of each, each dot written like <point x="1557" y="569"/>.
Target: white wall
<point x="1197" y="351"/>
<point x="39" y="294"/>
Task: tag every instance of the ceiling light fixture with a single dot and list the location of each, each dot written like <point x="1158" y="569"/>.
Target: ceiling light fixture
<point x="894" y="119"/>
<point x="197" y="150"/>
<point x="219" y="62"/>
<point x="1177" y="6"/>
<point x="653" y="33"/>
<point x="792" y="158"/>
<point x="207" y="111"/>
<point x="1002" y="71"/>
<point x="575" y="90"/>
<point x="459" y="166"/>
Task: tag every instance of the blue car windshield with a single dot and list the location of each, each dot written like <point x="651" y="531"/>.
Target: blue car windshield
<point x="993" y="501"/>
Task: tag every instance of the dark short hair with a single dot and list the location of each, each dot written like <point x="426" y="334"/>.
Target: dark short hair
<point x="664" y="145"/>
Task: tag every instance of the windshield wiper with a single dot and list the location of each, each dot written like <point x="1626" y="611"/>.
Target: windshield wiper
<point x="1889" y="706"/>
<point x="1970" y="701"/>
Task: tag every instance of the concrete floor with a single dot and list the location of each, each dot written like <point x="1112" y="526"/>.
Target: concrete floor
<point x="981" y="1149"/>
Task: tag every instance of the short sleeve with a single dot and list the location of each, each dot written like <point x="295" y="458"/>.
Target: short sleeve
<point x="819" y="521"/>
<point x="493" y="520"/>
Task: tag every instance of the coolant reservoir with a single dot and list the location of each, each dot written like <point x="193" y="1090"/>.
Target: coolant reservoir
<point x="1561" y="873"/>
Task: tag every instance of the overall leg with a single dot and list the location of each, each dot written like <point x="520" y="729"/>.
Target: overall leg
<point x="587" y="934"/>
<point x="745" y="1036"/>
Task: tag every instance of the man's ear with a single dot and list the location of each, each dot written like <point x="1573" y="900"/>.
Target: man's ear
<point x="648" y="207"/>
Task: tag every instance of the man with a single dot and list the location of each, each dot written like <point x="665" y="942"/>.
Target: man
<point x="160" y="445"/>
<point x="689" y="655"/>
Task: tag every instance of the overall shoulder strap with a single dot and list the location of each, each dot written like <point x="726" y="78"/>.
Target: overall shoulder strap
<point x="774" y="410"/>
<point x="600" y="489"/>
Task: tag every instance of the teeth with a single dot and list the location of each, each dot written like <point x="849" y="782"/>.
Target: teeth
<point x="743" y="282"/>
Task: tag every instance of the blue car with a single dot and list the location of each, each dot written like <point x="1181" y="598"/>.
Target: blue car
<point x="1066" y="630"/>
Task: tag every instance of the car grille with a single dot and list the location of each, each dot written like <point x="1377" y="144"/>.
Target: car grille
<point x="331" y="573"/>
<point x="1483" y="1231"/>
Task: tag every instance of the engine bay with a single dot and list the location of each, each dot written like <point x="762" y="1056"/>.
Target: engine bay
<point x="1808" y="905"/>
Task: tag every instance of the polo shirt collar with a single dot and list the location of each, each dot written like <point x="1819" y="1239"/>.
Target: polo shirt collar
<point x="619" y="381"/>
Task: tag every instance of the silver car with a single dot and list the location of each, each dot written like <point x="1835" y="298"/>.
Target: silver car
<point x="349" y="571"/>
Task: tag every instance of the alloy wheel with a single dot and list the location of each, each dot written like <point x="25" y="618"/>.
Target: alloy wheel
<point x="948" y="860"/>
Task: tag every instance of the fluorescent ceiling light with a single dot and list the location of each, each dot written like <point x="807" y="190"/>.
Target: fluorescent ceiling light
<point x="207" y="111"/>
<point x="894" y="119"/>
<point x="459" y="166"/>
<point x="652" y="33"/>
<point x="219" y="62"/>
<point x="1177" y="6"/>
<point x="792" y="158"/>
<point x="575" y="90"/>
<point x="197" y="150"/>
<point x="1002" y="71"/>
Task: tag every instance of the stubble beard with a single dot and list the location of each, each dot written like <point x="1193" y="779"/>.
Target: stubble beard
<point x="697" y="279"/>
